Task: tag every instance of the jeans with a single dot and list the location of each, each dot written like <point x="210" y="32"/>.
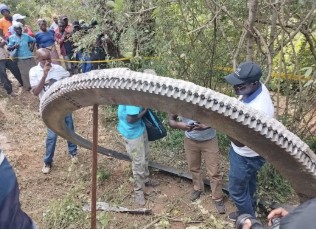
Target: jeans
<point x="52" y="139"/>
<point x="242" y="181"/>
<point x="85" y="67"/>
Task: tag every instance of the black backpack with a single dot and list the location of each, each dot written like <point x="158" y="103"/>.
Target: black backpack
<point x="154" y="127"/>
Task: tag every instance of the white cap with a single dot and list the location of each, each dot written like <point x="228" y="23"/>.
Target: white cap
<point x="17" y="17"/>
<point x="16" y="24"/>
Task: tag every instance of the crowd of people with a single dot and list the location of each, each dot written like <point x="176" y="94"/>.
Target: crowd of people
<point x="18" y="43"/>
<point x="51" y="43"/>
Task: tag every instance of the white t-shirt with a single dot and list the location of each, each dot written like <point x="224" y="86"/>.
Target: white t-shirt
<point x="56" y="73"/>
<point x="260" y="100"/>
<point x="1" y="156"/>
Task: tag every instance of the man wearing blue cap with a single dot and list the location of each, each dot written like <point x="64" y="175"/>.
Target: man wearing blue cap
<point x="244" y="162"/>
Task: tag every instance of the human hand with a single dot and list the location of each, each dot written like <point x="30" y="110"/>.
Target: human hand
<point x="47" y="67"/>
<point x="185" y="127"/>
<point x="276" y="213"/>
<point x="199" y="126"/>
<point x="16" y="46"/>
<point x="247" y="224"/>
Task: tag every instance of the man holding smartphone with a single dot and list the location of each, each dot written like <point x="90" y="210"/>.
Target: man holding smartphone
<point x="201" y="140"/>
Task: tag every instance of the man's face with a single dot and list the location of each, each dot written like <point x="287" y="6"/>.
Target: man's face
<point x="18" y="30"/>
<point x="61" y="27"/>
<point x="55" y="20"/>
<point x="21" y="20"/>
<point x="65" y="20"/>
<point x="5" y="13"/>
<point x="44" y="59"/>
<point x="43" y="26"/>
<point x="245" y="88"/>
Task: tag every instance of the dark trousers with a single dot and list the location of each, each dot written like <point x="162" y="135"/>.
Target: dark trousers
<point x="242" y="181"/>
<point x="12" y="66"/>
<point x="11" y="214"/>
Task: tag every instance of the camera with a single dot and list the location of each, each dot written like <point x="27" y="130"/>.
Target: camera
<point x="255" y="224"/>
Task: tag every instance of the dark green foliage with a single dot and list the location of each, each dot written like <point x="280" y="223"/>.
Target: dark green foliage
<point x="312" y="143"/>
<point x="223" y="142"/>
<point x="272" y="186"/>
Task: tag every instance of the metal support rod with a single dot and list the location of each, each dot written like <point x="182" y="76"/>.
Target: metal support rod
<point x="94" y="168"/>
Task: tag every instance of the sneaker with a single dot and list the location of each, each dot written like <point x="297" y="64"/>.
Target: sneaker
<point x="140" y="198"/>
<point x="74" y="159"/>
<point x="220" y="206"/>
<point x="46" y="168"/>
<point x="195" y="195"/>
<point x="233" y="216"/>
<point x="152" y="183"/>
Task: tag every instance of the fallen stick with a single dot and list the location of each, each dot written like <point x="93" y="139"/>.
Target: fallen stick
<point x="103" y="206"/>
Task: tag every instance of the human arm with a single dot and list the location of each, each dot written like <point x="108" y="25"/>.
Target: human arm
<point x="175" y="124"/>
<point x="12" y="44"/>
<point x="277" y="213"/>
<point x="1" y="30"/>
<point x="199" y="126"/>
<point x="237" y="143"/>
<point x="2" y="42"/>
<point x="31" y="42"/>
<point x="133" y="118"/>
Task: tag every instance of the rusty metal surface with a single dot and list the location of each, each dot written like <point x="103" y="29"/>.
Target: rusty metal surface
<point x="94" y="167"/>
<point x="283" y="149"/>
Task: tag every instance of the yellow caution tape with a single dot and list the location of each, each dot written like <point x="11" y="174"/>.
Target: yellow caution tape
<point x="226" y="69"/>
<point x="274" y="74"/>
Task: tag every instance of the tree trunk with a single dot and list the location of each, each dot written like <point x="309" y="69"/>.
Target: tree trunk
<point x="253" y="6"/>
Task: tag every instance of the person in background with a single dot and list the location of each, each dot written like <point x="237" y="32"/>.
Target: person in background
<point x="68" y="26"/>
<point x="132" y="128"/>
<point x="46" y="39"/>
<point x="26" y="29"/>
<point x="60" y="37"/>
<point x="98" y="53"/>
<point x="24" y="45"/>
<point x="42" y="76"/>
<point x="54" y="24"/>
<point x="244" y="162"/>
<point x="11" y="214"/>
<point x="201" y="140"/>
<point x="63" y="39"/>
<point x="5" y="21"/>
<point x="7" y="63"/>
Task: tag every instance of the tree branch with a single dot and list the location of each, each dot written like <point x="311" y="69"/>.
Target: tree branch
<point x="268" y="54"/>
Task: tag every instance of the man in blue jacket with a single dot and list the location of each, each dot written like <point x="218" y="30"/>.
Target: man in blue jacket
<point x="11" y="214"/>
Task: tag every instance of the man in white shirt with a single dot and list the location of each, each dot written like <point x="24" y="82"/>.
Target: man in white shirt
<point x="42" y="77"/>
<point x="244" y="162"/>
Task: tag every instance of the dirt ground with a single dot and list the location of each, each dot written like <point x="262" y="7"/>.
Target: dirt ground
<point x="22" y="136"/>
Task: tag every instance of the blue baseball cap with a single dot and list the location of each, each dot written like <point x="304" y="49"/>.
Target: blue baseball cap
<point x="245" y="72"/>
